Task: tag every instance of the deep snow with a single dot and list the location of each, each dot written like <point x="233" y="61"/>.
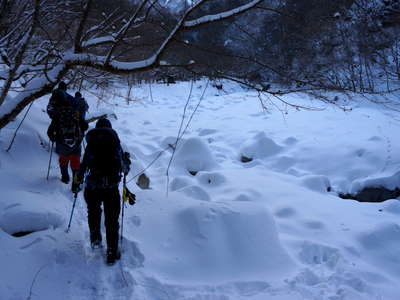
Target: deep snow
<point x="265" y="229"/>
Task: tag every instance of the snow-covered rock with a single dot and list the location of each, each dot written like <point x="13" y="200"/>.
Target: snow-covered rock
<point x="260" y="146"/>
<point x="194" y="156"/>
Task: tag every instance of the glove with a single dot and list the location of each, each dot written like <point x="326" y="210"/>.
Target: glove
<point x="78" y="179"/>
<point x="128" y="196"/>
<point x="126" y="162"/>
<point x="52" y="137"/>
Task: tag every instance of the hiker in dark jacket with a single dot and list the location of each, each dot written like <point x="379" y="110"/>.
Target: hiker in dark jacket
<point x="66" y="131"/>
<point x="103" y="165"/>
<point x="81" y="105"/>
<point x="59" y="98"/>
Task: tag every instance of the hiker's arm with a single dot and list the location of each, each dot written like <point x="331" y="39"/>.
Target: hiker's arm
<point x="85" y="162"/>
<point x="51" y="111"/>
<point x="126" y="162"/>
<point x="51" y="131"/>
<point x="83" y="124"/>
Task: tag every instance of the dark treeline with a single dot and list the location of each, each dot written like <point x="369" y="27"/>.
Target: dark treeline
<point x="344" y="44"/>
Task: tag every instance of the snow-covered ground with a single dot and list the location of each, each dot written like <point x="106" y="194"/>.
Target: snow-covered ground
<point x="265" y="229"/>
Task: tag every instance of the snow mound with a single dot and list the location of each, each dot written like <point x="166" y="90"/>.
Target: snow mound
<point x="194" y="156"/>
<point x="229" y="244"/>
<point x="390" y="182"/>
<point x="260" y="146"/>
<point x="392" y="206"/>
<point x="283" y="163"/>
<point x="26" y="220"/>
<point x="316" y="183"/>
<point x="211" y="178"/>
<point x="290" y="141"/>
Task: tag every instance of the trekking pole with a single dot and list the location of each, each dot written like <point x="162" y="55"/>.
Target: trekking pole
<point x="123" y="208"/>
<point x="129" y="197"/>
<point x="51" y="154"/>
<point x="72" y="211"/>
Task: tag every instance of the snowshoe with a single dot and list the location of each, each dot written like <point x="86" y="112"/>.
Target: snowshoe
<point x="112" y="256"/>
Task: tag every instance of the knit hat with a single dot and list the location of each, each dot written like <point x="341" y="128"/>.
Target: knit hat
<point x="103" y="123"/>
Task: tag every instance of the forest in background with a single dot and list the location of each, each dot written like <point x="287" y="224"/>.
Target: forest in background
<point x="272" y="46"/>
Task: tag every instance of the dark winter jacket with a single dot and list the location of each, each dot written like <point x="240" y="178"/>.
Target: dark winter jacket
<point x="81" y="105"/>
<point x="58" y="99"/>
<point x="61" y="148"/>
<point x="102" y="161"/>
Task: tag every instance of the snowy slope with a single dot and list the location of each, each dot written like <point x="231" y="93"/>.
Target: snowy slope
<point x="265" y="229"/>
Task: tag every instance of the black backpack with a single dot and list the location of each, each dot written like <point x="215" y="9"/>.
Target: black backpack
<point x="105" y="153"/>
<point x="68" y="130"/>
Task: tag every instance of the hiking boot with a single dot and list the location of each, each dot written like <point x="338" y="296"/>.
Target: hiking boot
<point x="65" y="179"/>
<point x="112" y="256"/>
<point x="64" y="174"/>
<point x="95" y="244"/>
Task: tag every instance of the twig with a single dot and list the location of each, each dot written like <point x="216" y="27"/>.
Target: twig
<point x="195" y="109"/>
<point x="90" y="120"/>
<point x="150" y="164"/>
<point x="16" y="130"/>
<point x="34" y="280"/>
<point x="151" y="93"/>
<point x="179" y="132"/>
<point x="179" y="137"/>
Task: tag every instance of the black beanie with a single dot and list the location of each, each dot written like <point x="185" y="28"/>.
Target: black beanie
<point x="103" y="123"/>
<point x="62" y="86"/>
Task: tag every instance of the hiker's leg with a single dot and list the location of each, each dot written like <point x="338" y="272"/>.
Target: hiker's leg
<point x="111" y="214"/>
<point x="63" y="161"/>
<point x="94" y="213"/>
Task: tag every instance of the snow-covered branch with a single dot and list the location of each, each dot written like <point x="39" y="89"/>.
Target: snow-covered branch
<point x="79" y="31"/>
<point x="222" y="15"/>
<point x="98" y="41"/>
<point x="52" y="38"/>
<point x="122" y="32"/>
<point x="22" y="47"/>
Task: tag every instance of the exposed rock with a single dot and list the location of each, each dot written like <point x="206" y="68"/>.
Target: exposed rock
<point x="143" y="182"/>
<point x="245" y="159"/>
<point x="373" y="194"/>
<point x="21" y="233"/>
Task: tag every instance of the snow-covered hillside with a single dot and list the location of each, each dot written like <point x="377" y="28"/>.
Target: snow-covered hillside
<point x="225" y="229"/>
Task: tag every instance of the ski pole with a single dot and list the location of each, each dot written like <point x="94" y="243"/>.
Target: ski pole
<point x="122" y="215"/>
<point x="72" y="211"/>
<point x="51" y="154"/>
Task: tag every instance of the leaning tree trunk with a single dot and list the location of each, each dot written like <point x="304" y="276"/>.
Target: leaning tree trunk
<point x="38" y="88"/>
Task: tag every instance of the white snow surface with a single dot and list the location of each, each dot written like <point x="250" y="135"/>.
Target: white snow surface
<point x="266" y="229"/>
